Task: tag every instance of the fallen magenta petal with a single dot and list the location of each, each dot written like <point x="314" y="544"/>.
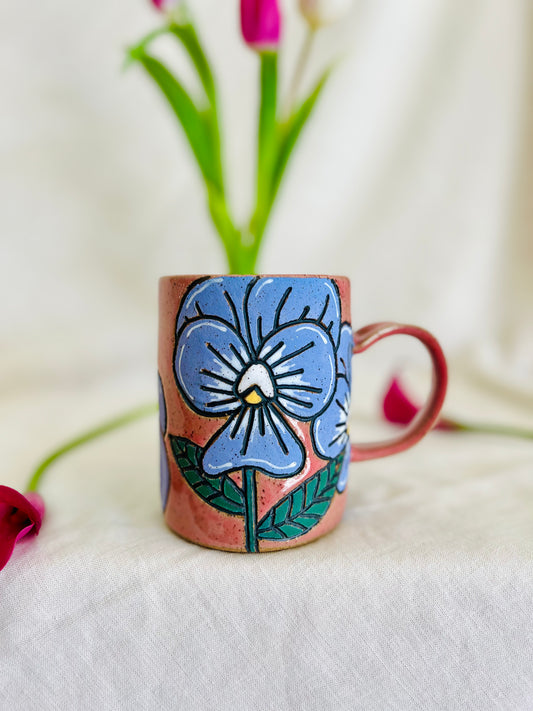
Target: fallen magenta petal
<point x="399" y="408"/>
<point x="20" y="515"/>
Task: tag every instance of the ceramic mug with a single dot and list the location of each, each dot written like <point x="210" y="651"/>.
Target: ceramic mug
<point x="254" y="377"/>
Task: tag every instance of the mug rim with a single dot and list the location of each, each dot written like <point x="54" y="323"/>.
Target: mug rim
<point x="188" y="277"/>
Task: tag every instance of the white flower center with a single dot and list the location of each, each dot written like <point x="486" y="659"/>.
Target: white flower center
<point x="256" y="384"/>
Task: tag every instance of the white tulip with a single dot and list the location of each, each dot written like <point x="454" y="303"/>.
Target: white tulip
<point x="323" y="12"/>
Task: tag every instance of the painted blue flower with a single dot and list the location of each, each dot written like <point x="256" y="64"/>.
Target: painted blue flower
<point x="163" y="457"/>
<point x="257" y="351"/>
<point x="330" y="429"/>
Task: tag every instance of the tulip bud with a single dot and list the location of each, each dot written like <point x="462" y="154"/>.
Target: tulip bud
<point x="260" y="24"/>
<point x="166" y="5"/>
<point x="323" y="12"/>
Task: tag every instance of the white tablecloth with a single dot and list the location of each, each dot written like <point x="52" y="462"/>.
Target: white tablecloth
<point x="421" y="599"/>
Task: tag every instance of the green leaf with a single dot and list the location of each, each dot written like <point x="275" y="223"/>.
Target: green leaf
<point x="266" y="140"/>
<point x="276" y="143"/>
<point x="289" y="133"/>
<point x="186" y="34"/>
<point x="267" y="122"/>
<point x="134" y="53"/>
<point x="301" y="510"/>
<point x="221" y="492"/>
<point x="201" y="126"/>
<point x="191" y="119"/>
<point x="188" y="37"/>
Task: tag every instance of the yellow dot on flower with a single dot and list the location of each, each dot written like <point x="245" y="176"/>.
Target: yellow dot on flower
<point x="254" y="397"/>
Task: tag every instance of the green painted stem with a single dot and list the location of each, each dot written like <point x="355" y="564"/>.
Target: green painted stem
<point x="109" y="426"/>
<point x="250" y="509"/>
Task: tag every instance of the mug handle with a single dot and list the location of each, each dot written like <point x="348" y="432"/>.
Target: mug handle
<point x="425" y="419"/>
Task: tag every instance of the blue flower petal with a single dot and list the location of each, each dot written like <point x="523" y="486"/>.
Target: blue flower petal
<point x="163" y="457"/>
<point x="302" y="360"/>
<point x="209" y="358"/>
<point x="255" y="437"/>
<point x="164" y="473"/>
<point x="343" y="476"/>
<point x="330" y="429"/>
<point x="219" y="297"/>
<point x="162" y="407"/>
<point x="276" y="302"/>
<point x="345" y="352"/>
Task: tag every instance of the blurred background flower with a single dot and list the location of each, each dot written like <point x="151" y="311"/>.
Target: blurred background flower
<point x="261" y="23"/>
<point x="323" y="12"/>
<point x="168" y="6"/>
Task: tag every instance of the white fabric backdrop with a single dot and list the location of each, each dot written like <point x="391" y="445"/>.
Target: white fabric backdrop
<point x="415" y="179"/>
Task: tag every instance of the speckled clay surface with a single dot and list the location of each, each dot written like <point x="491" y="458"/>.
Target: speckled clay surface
<point x="254" y="393"/>
<point x="254" y="388"/>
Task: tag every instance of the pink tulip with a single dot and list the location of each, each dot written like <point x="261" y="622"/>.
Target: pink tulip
<point x="398" y="408"/>
<point x="165" y="5"/>
<point x="19" y="516"/>
<point x="260" y="24"/>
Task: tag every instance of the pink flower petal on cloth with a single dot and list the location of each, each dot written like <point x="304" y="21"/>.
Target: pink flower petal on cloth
<point x="399" y="408"/>
<point x="19" y="516"/>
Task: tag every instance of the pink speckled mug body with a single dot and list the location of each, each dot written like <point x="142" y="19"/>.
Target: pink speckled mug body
<point x="254" y="377"/>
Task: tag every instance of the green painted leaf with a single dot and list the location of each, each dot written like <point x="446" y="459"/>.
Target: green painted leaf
<point x="301" y="510"/>
<point x="221" y="492"/>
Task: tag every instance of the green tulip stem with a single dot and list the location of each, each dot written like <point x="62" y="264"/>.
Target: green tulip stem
<point x="501" y="430"/>
<point x="114" y="424"/>
<point x="198" y="115"/>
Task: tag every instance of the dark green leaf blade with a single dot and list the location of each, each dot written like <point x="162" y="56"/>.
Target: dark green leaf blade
<point x="303" y="508"/>
<point x="222" y="492"/>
